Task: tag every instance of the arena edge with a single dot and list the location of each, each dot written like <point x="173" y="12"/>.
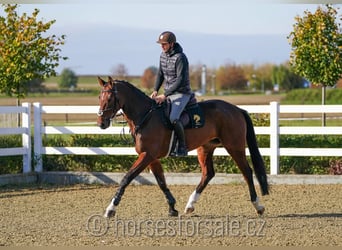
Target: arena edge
<point x="106" y="178"/>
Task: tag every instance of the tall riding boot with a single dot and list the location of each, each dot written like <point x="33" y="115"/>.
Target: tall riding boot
<point x="179" y="130"/>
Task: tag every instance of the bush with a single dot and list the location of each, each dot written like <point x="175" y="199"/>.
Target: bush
<point x="117" y="163"/>
<point x="335" y="167"/>
<point x="312" y="96"/>
<point x="121" y="163"/>
<point x="11" y="164"/>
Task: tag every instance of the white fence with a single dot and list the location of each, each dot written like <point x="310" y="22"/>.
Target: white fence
<point x="24" y="130"/>
<point x="274" y="131"/>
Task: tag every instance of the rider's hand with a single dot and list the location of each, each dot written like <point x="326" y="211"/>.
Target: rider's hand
<point x="160" y="99"/>
<point x="154" y="94"/>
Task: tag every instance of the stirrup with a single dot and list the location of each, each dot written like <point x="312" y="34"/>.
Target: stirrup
<point x="179" y="153"/>
<point x="182" y="152"/>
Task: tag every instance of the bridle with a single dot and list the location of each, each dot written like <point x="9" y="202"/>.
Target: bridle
<point x="117" y="106"/>
<point x="116" y="102"/>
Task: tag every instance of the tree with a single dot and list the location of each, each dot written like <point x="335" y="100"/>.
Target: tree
<point x="339" y="83"/>
<point x="25" y="54"/>
<point x="195" y="72"/>
<point x="67" y="79"/>
<point x="35" y="85"/>
<point x="262" y="78"/>
<point x="231" y="77"/>
<point x="315" y="42"/>
<point x="120" y="71"/>
<point x="285" y="78"/>
<point x="149" y="77"/>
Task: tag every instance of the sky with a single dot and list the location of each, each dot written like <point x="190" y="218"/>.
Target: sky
<point x="204" y="16"/>
<point x="82" y="21"/>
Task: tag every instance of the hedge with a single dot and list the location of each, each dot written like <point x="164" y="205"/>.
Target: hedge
<point x="117" y="163"/>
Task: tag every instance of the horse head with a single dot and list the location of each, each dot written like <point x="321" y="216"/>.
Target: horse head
<point x="108" y="102"/>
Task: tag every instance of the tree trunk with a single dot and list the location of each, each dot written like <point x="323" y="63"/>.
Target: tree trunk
<point x="323" y="103"/>
<point x="18" y="114"/>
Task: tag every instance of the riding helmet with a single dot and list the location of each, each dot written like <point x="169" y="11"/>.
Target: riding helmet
<point x="166" y="37"/>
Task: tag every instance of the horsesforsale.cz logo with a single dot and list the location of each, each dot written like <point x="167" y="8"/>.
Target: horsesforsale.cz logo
<point x="182" y="225"/>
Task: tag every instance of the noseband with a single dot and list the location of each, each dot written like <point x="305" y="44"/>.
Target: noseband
<point x="114" y="91"/>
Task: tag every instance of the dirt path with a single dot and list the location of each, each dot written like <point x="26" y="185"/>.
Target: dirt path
<point x="296" y="215"/>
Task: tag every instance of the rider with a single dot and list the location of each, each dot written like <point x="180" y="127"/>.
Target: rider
<point x="174" y="72"/>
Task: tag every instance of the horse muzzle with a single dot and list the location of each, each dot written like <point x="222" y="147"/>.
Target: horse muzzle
<point x="103" y="123"/>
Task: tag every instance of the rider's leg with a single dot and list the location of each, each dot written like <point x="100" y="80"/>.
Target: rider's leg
<point x="179" y="130"/>
<point x="178" y="103"/>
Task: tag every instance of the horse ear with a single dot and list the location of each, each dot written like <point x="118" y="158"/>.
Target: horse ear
<point x="111" y="81"/>
<point x="101" y="82"/>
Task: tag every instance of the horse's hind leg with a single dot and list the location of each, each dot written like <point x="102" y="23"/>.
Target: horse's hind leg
<point x="205" y="159"/>
<point x="158" y="173"/>
<point x="139" y="165"/>
<point x="239" y="157"/>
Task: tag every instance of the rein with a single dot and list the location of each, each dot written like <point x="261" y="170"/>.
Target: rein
<point x="146" y="116"/>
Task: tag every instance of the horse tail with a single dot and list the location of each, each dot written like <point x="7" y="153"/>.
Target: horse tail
<point x="257" y="160"/>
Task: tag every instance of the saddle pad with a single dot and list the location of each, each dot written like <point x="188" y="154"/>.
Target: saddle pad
<point x="196" y="116"/>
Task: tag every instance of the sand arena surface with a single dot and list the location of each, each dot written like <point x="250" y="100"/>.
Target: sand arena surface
<point x="296" y="215"/>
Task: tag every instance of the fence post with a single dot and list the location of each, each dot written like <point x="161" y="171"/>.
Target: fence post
<point x="37" y="142"/>
<point x="26" y="137"/>
<point x="274" y="138"/>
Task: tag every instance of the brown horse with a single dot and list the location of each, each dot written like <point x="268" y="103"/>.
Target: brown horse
<point x="225" y="125"/>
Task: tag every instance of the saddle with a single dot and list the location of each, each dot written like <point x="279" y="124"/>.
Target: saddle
<point x="191" y="117"/>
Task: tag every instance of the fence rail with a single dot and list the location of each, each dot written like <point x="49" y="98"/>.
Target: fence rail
<point x="273" y="130"/>
<point x="24" y="130"/>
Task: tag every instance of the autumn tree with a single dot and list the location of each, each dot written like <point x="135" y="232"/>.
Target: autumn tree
<point x="315" y="42"/>
<point x="231" y="77"/>
<point x="25" y="53"/>
<point x="149" y="77"/>
<point x="339" y="83"/>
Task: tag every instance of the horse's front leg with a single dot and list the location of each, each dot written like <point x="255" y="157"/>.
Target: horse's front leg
<point x="158" y="173"/>
<point x="139" y="165"/>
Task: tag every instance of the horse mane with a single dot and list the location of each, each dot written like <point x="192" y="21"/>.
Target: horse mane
<point x="133" y="88"/>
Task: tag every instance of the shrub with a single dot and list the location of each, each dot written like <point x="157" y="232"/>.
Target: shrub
<point x="335" y="167"/>
<point x="10" y="164"/>
<point x="312" y="96"/>
<point x="121" y="163"/>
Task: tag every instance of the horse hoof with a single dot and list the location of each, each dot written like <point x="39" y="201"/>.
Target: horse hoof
<point x="173" y="212"/>
<point x="109" y="213"/>
<point x="261" y="211"/>
<point x="189" y="210"/>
